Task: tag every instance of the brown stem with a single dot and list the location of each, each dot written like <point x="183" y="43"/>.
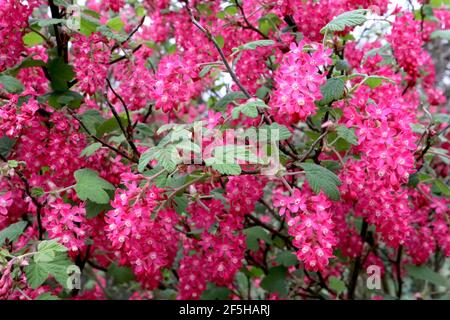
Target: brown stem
<point x="357" y="265"/>
<point x="103" y="143"/>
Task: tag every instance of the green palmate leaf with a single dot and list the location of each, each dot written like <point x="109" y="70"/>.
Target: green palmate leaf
<point x="11" y="84"/>
<point x="47" y="250"/>
<point x="214" y="292"/>
<point x="27" y="62"/>
<point x="227" y="99"/>
<point x="342" y="65"/>
<point x="115" y="23"/>
<point x="347" y="134"/>
<point x="111" y="125"/>
<point x="110" y="34"/>
<point x="346" y="19"/>
<point x="231" y="10"/>
<point x="276" y="281"/>
<point x="49" y="22"/>
<point x="425" y="273"/>
<point x="375" y="81"/>
<point x="253" y="235"/>
<point x="12" y="232"/>
<point x="269" y="22"/>
<point x="320" y="178"/>
<point x="60" y="74"/>
<point x="277" y="131"/>
<point x="47" y="296"/>
<point x="90" y="149"/>
<point x="6" y="145"/>
<point x="32" y="39"/>
<point x="90" y="186"/>
<point x="337" y="285"/>
<point x="250" y="108"/>
<point x="36" y="275"/>
<point x="92" y="119"/>
<point x="443" y="34"/>
<point x="167" y="156"/>
<point x="89" y="22"/>
<point x="331" y="165"/>
<point x="254" y="44"/>
<point x="332" y="90"/>
<point x="120" y="274"/>
<point x="94" y="209"/>
<point x="287" y="259"/>
<point x="442" y="187"/>
<point x="231" y="169"/>
<point x="38" y="271"/>
<point x="188" y="145"/>
<point x="58" y="99"/>
<point x="140" y="11"/>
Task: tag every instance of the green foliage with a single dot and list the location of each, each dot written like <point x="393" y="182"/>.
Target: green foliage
<point x="254" y="44"/>
<point x="167" y="157"/>
<point x="320" y="178"/>
<point x="287" y="259"/>
<point x="250" y="108"/>
<point x="346" y="19"/>
<point x="442" y="34"/>
<point x="347" y="134"/>
<point x="337" y="285"/>
<point x="283" y="131"/>
<point x="90" y="149"/>
<point x="442" y="187"/>
<point x="93" y="209"/>
<point x="32" y="38"/>
<point x="60" y="74"/>
<point x="425" y="273"/>
<point x="115" y="23"/>
<point x="11" y="84"/>
<point x="12" y="232"/>
<point x="332" y="90"/>
<point x="90" y="186"/>
<point x="89" y="22"/>
<point x="276" y="281"/>
<point x="254" y="234"/>
<point x="6" y="145"/>
<point x="120" y="274"/>
<point x="227" y="99"/>
<point x="49" y="260"/>
<point x="214" y="292"/>
<point x="111" y="125"/>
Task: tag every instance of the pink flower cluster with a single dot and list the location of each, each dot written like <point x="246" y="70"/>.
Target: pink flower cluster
<point x="5" y="202"/>
<point x="135" y="83"/>
<point x="67" y="223"/>
<point x="310" y="223"/>
<point x="406" y="42"/>
<point x="298" y="80"/>
<point x="242" y="192"/>
<point x="215" y="255"/>
<point x="142" y="241"/>
<point x="91" y="61"/>
<point x="15" y="115"/>
<point x="13" y="20"/>
<point x="172" y="83"/>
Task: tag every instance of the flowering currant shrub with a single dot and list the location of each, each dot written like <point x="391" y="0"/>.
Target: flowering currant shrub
<point x="226" y="149"/>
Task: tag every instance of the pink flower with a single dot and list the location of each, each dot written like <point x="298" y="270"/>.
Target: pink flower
<point x="298" y="81"/>
<point x="5" y="202"/>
